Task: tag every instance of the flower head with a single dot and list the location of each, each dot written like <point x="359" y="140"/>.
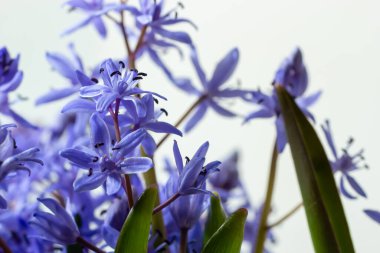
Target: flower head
<point x="106" y="161"/>
<point x="345" y="163"/>
<point x="212" y="90"/>
<point x="58" y="226"/>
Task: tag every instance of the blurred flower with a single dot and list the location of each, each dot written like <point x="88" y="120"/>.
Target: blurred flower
<point x="293" y="76"/>
<point x="58" y="226"/>
<point x="212" y="91"/>
<point x="105" y="161"/>
<point x="374" y="215"/>
<point x="345" y="163"/>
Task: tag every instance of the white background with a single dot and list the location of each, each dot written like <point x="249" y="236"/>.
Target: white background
<point x="340" y="41"/>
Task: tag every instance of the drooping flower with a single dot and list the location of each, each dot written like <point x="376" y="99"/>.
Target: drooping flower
<point x="345" y="163"/>
<point x="212" y="91"/>
<point x="106" y="161"/>
<point x="58" y="226"/>
<point x="142" y="115"/>
<point x="119" y="83"/>
<point x="292" y="75"/>
<point x="66" y="67"/>
<point x="12" y="161"/>
<point x="10" y="79"/>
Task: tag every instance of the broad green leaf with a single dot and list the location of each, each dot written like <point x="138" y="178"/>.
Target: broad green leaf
<point x="216" y="218"/>
<point x="327" y="222"/>
<point x="229" y="237"/>
<point x="135" y="232"/>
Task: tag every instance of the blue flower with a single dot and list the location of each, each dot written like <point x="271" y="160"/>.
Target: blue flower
<point x="11" y="162"/>
<point x="293" y="76"/>
<point x="345" y="163"/>
<point x="212" y="89"/>
<point x="141" y="115"/>
<point x="58" y="226"/>
<point x="374" y="215"/>
<point x="10" y="79"/>
<point x="94" y="10"/>
<point x="105" y="161"/>
<point x="118" y="84"/>
<point x="66" y="67"/>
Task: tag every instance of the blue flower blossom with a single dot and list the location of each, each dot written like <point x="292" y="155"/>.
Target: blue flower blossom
<point x="10" y="79"/>
<point x="93" y="10"/>
<point x="293" y="76"/>
<point x="58" y="226"/>
<point x="12" y="162"/>
<point x="105" y="161"/>
<point x="212" y="90"/>
<point x="118" y="84"/>
<point x="345" y="163"/>
<point x="374" y="215"/>
<point x="141" y="115"/>
<point x="67" y="68"/>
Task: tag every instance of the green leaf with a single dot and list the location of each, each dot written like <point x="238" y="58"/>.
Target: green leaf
<point x="229" y="237"/>
<point x="135" y="232"/>
<point x="216" y="218"/>
<point x="327" y="222"/>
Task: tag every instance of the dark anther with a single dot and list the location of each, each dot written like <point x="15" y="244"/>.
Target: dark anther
<point x="115" y="72"/>
<point x="142" y="74"/>
<point x="187" y="159"/>
<point x="115" y="148"/>
<point x="90" y="171"/>
<point x="137" y="78"/>
<point x="164" y="111"/>
<point x="95" y="159"/>
<point x="1" y="162"/>
<point x="122" y="64"/>
<point x="98" y="145"/>
<point x="101" y="70"/>
<point x="155" y="100"/>
<point x="113" y="142"/>
<point x="273" y="83"/>
<point x="350" y="140"/>
<point x="175" y="15"/>
<point x="366" y="166"/>
<point x="203" y="171"/>
<point x="260" y="101"/>
<point x="14" y="143"/>
<point x="159" y="233"/>
<point x="135" y="70"/>
<point x="103" y="212"/>
<point x="181" y="5"/>
<point x="94" y="80"/>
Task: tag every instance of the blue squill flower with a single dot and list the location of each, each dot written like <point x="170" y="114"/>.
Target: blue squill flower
<point x="374" y="215"/>
<point x="293" y="76"/>
<point x="58" y="226"/>
<point x="191" y="176"/>
<point x="345" y="163"/>
<point x="93" y="10"/>
<point x="212" y="90"/>
<point x="107" y="161"/>
<point x="12" y="162"/>
<point x="10" y="79"/>
<point x="119" y="83"/>
<point x="143" y="116"/>
<point x="67" y="68"/>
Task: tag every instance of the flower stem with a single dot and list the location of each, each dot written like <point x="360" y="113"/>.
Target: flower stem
<point x="184" y="116"/>
<point x="115" y="118"/>
<point x="4" y="246"/>
<point x="89" y="245"/>
<point x="286" y="216"/>
<point x="166" y="203"/>
<point x="124" y="32"/>
<point x="183" y="243"/>
<point x="262" y="231"/>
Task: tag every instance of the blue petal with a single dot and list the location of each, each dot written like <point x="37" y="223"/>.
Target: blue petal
<point x="100" y="27"/>
<point x="375" y="215"/>
<point x="162" y="127"/>
<point x="99" y="134"/>
<point x="87" y="183"/>
<point x="262" y="113"/>
<point x="224" y="69"/>
<point x="63" y="65"/>
<point x="83" y="79"/>
<point x="54" y="95"/>
<point x="355" y="186"/>
<point x="197" y="116"/>
<point x="178" y="36"/>
<point x="186" y="85"/>
<point x="113" y="183"/>
<point x="149" y="145"/>
<point x="105" y="100"/>
<point x="344" y="191"/>
<point x="328" y="134"/>
<point x="198" y="67"/>
<point x="3" y="203"/>
<point x="136" y="165"/>
<point x="222" y="111"/>
<point x="190" y="173"/>
<point x="79" y="157"/>
<point x="79" y="105"/>
<point x="129" y="142"/>
<point x="83" y="23"/>
<point x="177" y="157"/>
<point x="92" y="90"/>
<point x="21" y="120"/>
<point x="13" y="83"/>
<point x="281" y="135"/>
